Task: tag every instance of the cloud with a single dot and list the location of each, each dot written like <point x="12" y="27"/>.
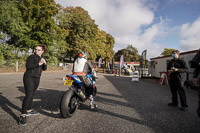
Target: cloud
<point x="127" y="22"/>
<point x="190" y="36"/>
<point x="116" y="17"/>
<point x="147" y="40"/>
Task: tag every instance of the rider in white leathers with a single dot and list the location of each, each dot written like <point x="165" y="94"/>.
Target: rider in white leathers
<point x="81" y="68"/>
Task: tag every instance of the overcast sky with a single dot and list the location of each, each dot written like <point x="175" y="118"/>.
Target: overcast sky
<point x="146" y="24"/>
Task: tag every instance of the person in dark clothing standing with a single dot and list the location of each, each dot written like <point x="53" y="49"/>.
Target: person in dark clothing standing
<point x="175" y="67"/>
<point x="195" y="63"/>
<point x="35" y="63"/>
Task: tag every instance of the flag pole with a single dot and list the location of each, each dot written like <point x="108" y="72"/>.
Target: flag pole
<point x="121" y="64"/>
<point x="120" y="70"/>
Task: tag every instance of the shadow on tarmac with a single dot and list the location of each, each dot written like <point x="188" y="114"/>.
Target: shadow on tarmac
<point x="110" y="113"/>
<point x="149" y="100"/>
<point x="110" y="102"/>
<point x="107" y="94"/>
<point x="45" y="101"/>
<point x="6" y="105"/>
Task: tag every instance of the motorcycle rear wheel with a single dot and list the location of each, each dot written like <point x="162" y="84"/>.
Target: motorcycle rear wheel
<point x="68" y="104"/>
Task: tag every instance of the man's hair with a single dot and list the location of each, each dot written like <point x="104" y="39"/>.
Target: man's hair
<point x="176" y="51"/>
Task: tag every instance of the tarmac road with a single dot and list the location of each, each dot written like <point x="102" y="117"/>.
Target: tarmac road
<point x="124" y="107"/>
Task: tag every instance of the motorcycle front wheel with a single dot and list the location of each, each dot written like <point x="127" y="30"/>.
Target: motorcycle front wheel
<point x="68" y="104"/>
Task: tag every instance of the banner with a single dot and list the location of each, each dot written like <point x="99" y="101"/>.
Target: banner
<point x="143" y="59"/>
<point x="122" y="61"/>
<point x="100" y="61"/>
<point x="108" y="66"/>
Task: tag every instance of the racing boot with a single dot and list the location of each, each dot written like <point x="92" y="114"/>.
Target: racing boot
<point x="92" y="105"/>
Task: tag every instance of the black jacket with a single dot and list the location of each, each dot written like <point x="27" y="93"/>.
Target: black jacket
<point x="195" y="63"/>
<point x="88" y="67"/>
<point x="178" y="63"/>
<point x="32" y="66"/>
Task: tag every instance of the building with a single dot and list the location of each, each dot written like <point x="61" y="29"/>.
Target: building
<point x="133" y="65"/>
<point x="159" y="64"/>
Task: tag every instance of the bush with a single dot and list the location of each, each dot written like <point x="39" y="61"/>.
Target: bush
<point x="2" y="62"/>
<point x="52" y="61"/>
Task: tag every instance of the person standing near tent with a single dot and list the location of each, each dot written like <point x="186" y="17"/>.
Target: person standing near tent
<point x="175" y="67"/>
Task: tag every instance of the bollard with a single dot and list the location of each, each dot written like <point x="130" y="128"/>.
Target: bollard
<point x="17" y="66"/>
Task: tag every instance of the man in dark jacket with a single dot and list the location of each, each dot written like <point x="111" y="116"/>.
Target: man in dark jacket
<point x="195" y="63"/>
<point x="175" y="67"/>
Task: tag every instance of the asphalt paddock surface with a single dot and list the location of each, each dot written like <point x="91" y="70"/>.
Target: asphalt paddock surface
<point x="124" y="107"/>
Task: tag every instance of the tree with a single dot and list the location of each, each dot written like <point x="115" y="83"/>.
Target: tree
<point x="84" y="35"/>
<point x="38" y="16"/>
<point x="167" y="51"/>
<point x="12" y="24"/>
<point x="130" y="54"/>
<point x="100" y="44"/>
<point x="58" y="49"/>
<point x="82" y="31"/>
<point x="28" y="22"/>
<point x="109" y="46"/>
<point x="66" y="31"/>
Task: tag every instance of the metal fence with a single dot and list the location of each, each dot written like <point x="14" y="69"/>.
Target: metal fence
<point x="12" y="66"/>
<point x="7" y="66"/>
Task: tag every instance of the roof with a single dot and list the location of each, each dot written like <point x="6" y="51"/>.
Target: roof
<point x="128" y="62"/>
<point x="182" y="53"/>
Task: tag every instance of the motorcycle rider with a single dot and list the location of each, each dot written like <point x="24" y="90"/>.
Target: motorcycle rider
<point x="81" y="67"/>
<point x="195" y="63"/>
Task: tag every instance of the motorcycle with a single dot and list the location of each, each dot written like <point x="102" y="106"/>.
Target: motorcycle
<point x="76" y="94"/>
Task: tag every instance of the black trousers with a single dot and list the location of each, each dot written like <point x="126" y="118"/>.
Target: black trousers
<point x="198" y="109"/>
<point x="30" y="85"/>
<point x="177" y="88"/>
<point x="89" y="89"/>
<point x="199" y="94"/>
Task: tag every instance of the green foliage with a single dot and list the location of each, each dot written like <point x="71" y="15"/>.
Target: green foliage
<point x="11" y="63"/>
<point x="11" y="23"/>
<point x="167" y="51"/>
<point x="83" y="35"/>
<point x="82" y="31"/>
<point x="130" y="54"/>
<point x="28" y="22"/>
<point x="51" y="56"/>
<point x="2" y="61"/>
<point x="66" y="31"/>
<point x="109" y="46"/>
<point x="9" y="56"/>
<point x="38" y="16"/>
<point x="6" y="51"/>
<point x="52" y="61"/>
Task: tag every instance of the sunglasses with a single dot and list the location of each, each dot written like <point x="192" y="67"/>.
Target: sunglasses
<point x="38" y="50"/>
